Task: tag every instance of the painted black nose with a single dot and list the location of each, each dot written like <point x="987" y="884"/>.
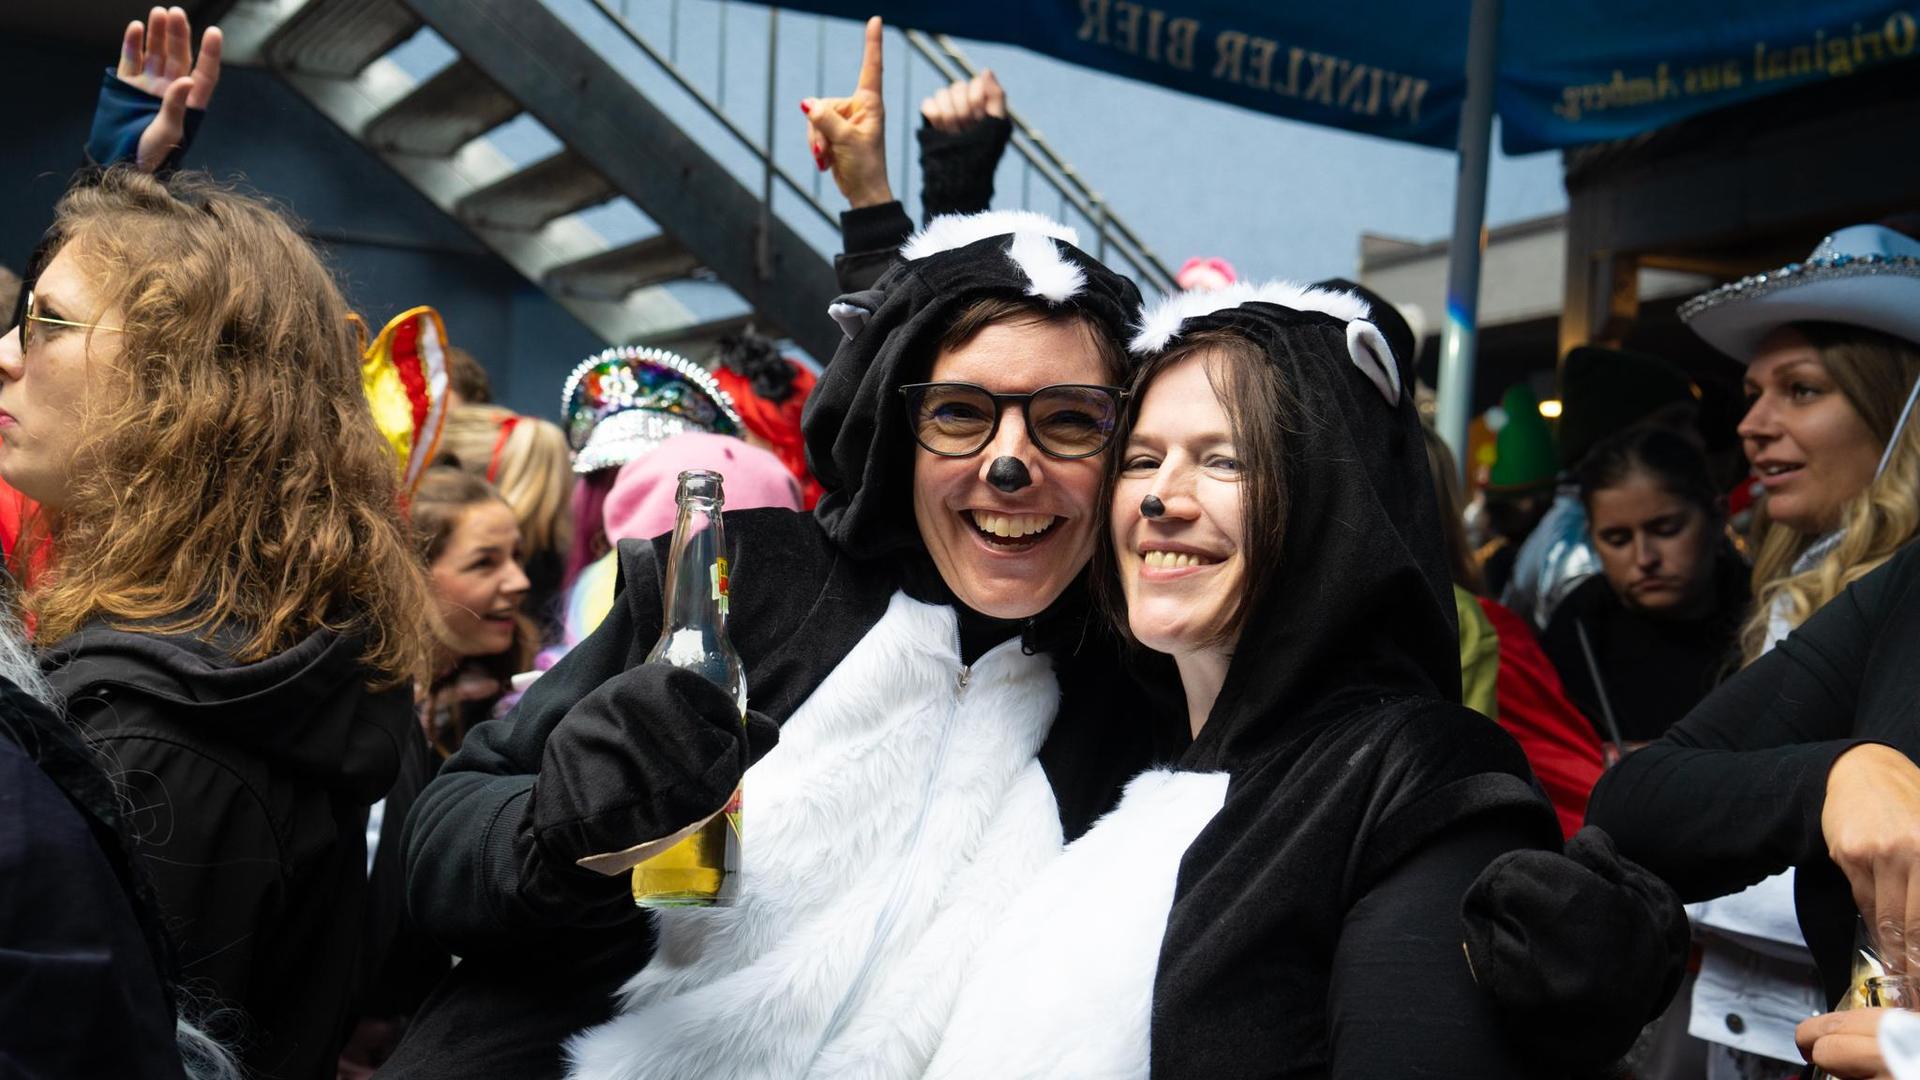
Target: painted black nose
<point x="1008" y="474"/>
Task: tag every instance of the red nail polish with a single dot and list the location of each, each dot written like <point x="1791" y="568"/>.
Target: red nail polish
<point x="806" y="108"/>
<point x="820" y="160"/>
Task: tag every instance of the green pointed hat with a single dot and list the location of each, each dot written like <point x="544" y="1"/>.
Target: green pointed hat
<point x="1523" y="455"/>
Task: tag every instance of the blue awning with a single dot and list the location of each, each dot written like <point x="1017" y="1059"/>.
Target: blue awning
<point x="1571" y="71"/>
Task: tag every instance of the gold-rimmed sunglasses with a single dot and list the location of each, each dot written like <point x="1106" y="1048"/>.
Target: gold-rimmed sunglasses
<point x="30" y="314"/>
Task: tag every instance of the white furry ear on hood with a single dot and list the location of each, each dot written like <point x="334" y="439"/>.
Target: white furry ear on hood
<point x="1160" y="321"/>
<point x="1050" y="275"/>
<point x="1374" y="357"/>
<point x="851" y="317"/>
<point x="853" y="310"/>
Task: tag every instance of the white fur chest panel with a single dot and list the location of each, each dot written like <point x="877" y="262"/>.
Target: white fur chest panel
<point x="883" y="836"/>
<point x="1064" y="988"/>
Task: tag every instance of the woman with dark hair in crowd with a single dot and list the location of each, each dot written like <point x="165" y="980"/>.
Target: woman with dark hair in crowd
<point x="1638" y="645"/>
<point x="1762" y="801"/>
<point x="471" y="545"/>
<point x="231" y="607"/>
<point x="933" y="600"/>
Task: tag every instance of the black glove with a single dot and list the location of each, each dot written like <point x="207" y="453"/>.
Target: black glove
<point x="649" y="752"/>
<point x="956" y="168"/>
<point x="1580" y="950"/>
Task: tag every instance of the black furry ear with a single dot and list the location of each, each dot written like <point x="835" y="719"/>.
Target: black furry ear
<point x="758" y="360"/>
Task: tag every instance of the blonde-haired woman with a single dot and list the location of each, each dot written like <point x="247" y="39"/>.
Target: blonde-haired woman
<point x="1842" y="493"/>
<point x="528" y="462"/>
<point x="233" y="608"/>
<point x="1832" y="353"/>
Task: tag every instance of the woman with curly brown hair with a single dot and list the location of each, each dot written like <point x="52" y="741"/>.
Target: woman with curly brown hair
<point x="232" y="608"/>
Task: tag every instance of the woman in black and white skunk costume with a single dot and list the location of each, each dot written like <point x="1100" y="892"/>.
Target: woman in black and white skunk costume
<point x="1285" y="901"/>
<point x="947" y="713"/>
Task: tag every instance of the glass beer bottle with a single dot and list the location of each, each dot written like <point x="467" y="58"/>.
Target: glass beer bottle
<point x="703" y="869"/>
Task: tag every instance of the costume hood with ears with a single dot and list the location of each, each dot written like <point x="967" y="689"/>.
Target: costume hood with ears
<point x="1338" y="725"/>
<point x="1361" y="607"/>
<point x="858" y="445"/>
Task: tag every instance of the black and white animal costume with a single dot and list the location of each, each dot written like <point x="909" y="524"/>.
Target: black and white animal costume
<point x="1284" y="901"/>
<point x="929" y="760"/>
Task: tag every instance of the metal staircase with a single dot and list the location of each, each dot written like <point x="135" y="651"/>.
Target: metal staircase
<point x="717" y="216"/>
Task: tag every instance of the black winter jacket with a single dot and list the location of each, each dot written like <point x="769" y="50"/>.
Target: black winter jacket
<point x="250" y="784"/>
<point x="1733" y="793"/>
<point x="82" y="960"/>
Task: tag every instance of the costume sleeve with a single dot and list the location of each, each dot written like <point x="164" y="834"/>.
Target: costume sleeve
<point x="956" y="168"/>
<point x="121" y="116"/>
<point x="1441" y="766"/>
<point x="474" y="876"/>
<point x="207" y="845"/>
<point x="598" y="756"/>
<point x="1403" y="1000"/>
<point x="870" y="238"/>
<point x="1733" y="792"/>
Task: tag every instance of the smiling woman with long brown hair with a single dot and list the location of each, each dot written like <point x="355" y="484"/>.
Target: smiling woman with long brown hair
<point x="231" y="607"/>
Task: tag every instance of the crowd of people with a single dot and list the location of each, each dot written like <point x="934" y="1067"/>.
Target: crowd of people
<point x="1133" y="689"/>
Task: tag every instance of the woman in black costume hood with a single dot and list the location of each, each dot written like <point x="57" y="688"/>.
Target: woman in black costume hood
<point x="1285" y="900"/>
<point x="945" y="714"/>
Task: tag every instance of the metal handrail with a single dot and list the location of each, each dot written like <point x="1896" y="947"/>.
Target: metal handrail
<point x="953" y="65"/>
<point x="672" y="71"/>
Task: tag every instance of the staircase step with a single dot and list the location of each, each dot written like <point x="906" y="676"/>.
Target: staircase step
<point x="339" y="38"/>
<point x="444" y="113"/>
<point x="550" y="188"/>
<point x="613" y="274"/>
<point x="645" y="149"/>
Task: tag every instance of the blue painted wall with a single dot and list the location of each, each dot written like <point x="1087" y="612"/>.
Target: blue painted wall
<point x="389" y="246"/>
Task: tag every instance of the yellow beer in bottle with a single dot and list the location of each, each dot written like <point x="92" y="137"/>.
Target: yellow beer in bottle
<point x="703" y="869"/>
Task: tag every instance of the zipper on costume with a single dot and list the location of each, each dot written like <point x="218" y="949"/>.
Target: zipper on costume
<point x="890" y="912"/>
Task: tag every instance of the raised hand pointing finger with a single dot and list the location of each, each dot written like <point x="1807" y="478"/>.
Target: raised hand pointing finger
<point x="848" y="134"/>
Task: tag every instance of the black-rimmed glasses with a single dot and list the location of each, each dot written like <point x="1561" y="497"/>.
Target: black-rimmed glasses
<point x="30" y="314"/>
<point x="1066" y="420"/>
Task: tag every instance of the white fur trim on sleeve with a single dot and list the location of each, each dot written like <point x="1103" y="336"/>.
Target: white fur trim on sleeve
<point x="950" y="231"/>
<point x="1374" y="357"/>
<point x="1160" y="321"/>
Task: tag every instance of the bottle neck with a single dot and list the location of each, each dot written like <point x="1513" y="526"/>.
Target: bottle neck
<point x="697" y="569"/>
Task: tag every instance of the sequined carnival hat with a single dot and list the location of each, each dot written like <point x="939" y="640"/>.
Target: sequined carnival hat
<point x="622" y="402"/>
<point x="1862" y="275"/>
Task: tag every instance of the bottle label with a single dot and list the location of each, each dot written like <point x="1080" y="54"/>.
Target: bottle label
<point x="718" y="572"/>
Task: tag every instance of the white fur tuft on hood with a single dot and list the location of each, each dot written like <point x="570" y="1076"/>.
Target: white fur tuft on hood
<point x="950" y="231"/>
<point x="1161" y="320"/>
<point x="1049" y="275"/>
